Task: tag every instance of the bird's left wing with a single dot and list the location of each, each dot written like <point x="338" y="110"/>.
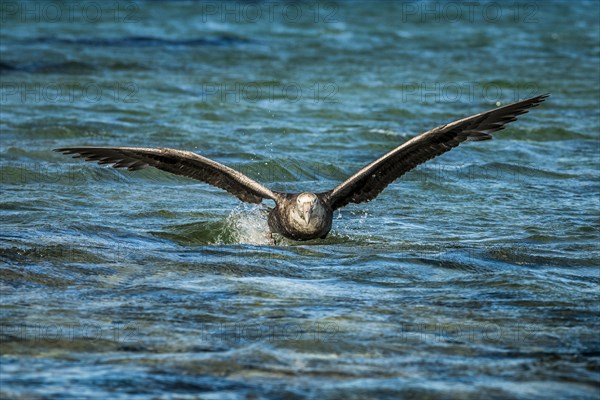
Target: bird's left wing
<point x="177" y="162"/>
<point x="367" y="183"/>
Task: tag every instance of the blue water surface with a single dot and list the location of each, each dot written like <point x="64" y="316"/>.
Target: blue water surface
<point x="474" y="276"/>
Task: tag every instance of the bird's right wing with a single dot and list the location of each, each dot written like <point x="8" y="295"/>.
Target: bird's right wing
<point x="367" y="183"/>
<point x="177" y="162"/>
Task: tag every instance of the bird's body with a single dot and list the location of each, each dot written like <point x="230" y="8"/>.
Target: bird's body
<point x="301" y="216"/>
<point x="305" y="216"/>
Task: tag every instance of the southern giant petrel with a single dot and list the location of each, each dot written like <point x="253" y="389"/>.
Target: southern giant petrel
<point x="305" y="216"/>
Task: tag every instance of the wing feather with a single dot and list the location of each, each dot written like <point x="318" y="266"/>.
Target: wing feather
<point x="177" y="162"/>
<point x="367" y="183"/>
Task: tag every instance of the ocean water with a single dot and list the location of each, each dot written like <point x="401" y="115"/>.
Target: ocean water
<point x="474" y="276"/>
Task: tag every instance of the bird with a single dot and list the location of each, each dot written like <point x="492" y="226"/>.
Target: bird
<point x="308" y="215"/>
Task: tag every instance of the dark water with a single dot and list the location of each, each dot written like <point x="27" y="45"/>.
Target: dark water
<point x="475" y="276"/>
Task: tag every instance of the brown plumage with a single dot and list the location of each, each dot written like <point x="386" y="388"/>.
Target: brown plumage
<point x="177" y="162"/>
<point x="303" y="216"/>
<point x="367" y="183"/>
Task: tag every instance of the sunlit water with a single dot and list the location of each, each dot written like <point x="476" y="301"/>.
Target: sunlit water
<point x="474" y="276"/>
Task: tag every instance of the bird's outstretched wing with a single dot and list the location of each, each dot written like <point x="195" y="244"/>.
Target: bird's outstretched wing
<point x="177" y="162"/>
<point x="367" y="183"/>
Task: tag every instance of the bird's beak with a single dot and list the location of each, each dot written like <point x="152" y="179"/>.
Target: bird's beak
<point x="306" y="213"/>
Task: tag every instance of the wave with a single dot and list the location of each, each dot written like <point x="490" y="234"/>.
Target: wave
<point x="67" y="67"/>
<point x="148" y="41"/>
<point x="244" y="225"/>
<point x="441" y="173"/>
<point x="543" y="134"/>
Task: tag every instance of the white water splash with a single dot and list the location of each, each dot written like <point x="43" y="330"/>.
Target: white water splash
<point x="246" y="225"/>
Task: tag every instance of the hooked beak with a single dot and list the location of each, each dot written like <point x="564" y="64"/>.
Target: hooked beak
<point x="306" y="212"/>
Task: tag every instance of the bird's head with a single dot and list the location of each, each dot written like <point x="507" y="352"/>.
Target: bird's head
<point x="305" y="206"/>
